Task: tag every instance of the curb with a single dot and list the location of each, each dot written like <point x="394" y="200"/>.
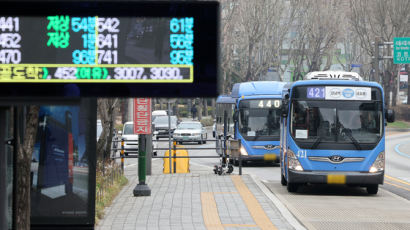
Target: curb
<point x="289" y="217"/>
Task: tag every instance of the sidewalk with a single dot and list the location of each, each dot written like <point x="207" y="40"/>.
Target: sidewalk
<point x="198" y="200"/>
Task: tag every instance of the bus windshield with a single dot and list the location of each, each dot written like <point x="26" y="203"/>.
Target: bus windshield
<point x="259" y="120"/>
<point x="316" y="124"/>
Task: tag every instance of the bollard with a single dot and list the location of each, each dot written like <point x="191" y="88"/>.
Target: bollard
<point x="142" y="189"/>
<point x="122" y="155"/>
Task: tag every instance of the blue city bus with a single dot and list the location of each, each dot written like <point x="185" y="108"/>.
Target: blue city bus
<point x="252" y="114"/>
<point x="332" y="131"/>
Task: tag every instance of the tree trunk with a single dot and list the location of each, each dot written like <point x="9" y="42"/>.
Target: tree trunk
<point x="205" y="107"/>
<point x="106" y="111"/>
<point x="177" y="102"/>
<point x="249" y="71"/>
<point x="124" y="110"/>
<point x="213" y="108"/>
<point x="200" y="109"/>
<point x="24" y="153"/>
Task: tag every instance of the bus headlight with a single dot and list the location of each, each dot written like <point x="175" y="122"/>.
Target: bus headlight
<point x="243" y="151"/>
<point x="293" y="162"/>
<point x="378" y="164"/>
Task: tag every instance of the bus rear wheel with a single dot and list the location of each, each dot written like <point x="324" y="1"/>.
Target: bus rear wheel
<point x="372" y="189"/>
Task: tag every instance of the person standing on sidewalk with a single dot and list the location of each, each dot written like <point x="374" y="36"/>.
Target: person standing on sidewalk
<point x="193" y="111"/>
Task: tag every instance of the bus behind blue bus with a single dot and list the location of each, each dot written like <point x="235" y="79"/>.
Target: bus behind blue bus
<point x="333" y="131"/>
<point x="252" y="112"/>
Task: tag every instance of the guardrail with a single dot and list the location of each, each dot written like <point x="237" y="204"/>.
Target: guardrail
<point x="224" y="156"/>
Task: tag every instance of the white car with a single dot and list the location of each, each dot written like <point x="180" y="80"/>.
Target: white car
<point x="190" y="131"/>
<point x="157" y="113"/>
<point x="131" y="139"/>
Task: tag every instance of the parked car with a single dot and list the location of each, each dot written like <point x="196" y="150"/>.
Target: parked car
<point x="161" y="126"/>
<point x="131" y="139"/>
<point x="157" y="113"/>
<point x="190" y="131"/>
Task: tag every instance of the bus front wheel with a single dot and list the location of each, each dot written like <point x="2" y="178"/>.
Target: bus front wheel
<point x="372" y="189"/>
<point x="292" y="187"/>
<point x="283" y="180"/>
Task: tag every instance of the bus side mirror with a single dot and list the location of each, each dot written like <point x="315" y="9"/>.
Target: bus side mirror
<point x="285" y="105"/>
<point x="389" y="115"/>
<point x="236" y="116"/>
<point x="284" y="110"/>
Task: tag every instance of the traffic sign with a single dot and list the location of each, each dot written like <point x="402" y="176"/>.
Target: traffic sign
<point x="401" y="50"/>
<point x="142" y="115"/>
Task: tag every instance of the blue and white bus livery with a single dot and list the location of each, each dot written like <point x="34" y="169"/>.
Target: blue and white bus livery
<point x="256" y="110"/>
<point x="333" y="131"/>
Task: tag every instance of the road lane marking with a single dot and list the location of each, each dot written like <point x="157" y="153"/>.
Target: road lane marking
<point x="396" y="148"/>
<point x="210" y="211"/>
<point x="397" y="180"/>
<point x="398" y="186"/>
<point x="254" y="208"/>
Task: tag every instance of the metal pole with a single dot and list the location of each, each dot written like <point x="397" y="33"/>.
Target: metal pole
<point x="376" y="60"/>
<point x="142" y="189"/>
<point x="141" y="160"/>
<point x="175" y="159"/>
<point x="169" y="137"/>
<point x="149" y="153"/>
<point x="122" y="155"/>
<point x="240" y="158"/>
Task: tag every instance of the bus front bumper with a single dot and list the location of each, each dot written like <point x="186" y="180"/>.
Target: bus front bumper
<point x="260" y="158"/>
<point x="327" y="177"/>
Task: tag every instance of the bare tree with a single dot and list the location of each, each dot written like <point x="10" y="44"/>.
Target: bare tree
<point x="254" y="18"/>
<point x="383" y="20"/>
<point x="228" y="46"/>
<point x="317" y="29"/>
<point x="107" y="114"/>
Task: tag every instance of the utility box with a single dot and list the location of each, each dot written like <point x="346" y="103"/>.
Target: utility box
<point x="178" y="165"/>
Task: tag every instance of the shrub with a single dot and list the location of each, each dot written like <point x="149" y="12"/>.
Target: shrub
<point x="207" y="121"/>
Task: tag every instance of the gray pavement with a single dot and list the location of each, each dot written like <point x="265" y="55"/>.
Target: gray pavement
<point x="196" y="200"/>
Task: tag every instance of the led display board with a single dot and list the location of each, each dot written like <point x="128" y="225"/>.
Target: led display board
<point x="108" y="49"/>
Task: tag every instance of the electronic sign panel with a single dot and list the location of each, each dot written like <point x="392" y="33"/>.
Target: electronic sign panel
<point x="105" y="49"/>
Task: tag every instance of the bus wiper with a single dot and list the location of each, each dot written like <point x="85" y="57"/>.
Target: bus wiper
<point x="317" y="142"/>
<point x="348" y="133"/>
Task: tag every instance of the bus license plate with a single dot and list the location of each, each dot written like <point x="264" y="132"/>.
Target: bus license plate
<point x="269" y="157"/>
<point x="336" y="179"/>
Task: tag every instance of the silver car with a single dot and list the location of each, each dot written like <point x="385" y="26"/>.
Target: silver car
<point x="190" y="131"/>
